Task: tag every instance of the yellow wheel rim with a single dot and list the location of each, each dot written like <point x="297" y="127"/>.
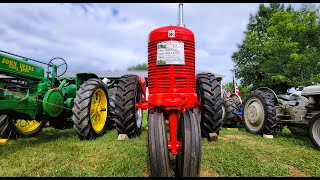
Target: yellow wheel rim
<point x="26" y="126"/>
<point x="98" y="110"/>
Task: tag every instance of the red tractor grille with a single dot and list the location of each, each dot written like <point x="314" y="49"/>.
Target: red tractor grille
<point x="171" y="78"/>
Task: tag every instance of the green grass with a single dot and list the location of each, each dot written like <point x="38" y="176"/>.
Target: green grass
<point x="236" y="153"/>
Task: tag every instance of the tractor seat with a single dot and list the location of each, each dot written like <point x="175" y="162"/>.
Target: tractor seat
<point x="293" y="97"/>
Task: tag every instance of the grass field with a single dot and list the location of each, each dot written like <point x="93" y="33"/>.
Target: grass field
<point x="236" y="153"/>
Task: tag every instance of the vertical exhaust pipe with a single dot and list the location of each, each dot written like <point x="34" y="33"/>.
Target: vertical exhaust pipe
<point x="181" y="15"/>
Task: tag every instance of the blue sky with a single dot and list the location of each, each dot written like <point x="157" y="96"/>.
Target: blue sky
<point x="107" y="37"/>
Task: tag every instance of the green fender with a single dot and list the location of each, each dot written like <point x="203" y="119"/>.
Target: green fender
<point x="82" y="77"/>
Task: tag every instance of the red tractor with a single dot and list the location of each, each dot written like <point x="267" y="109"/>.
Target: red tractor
<point x="191" y="103"/>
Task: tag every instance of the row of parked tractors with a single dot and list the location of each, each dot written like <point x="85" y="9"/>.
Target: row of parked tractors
<point x="181" y="104"/>
<point x="265" y="112"/>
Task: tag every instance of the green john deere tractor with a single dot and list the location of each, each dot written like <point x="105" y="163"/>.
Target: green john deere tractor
<point x="31" y="97"/>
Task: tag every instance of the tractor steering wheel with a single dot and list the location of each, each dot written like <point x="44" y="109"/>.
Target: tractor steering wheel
<point x="64" y="63"/>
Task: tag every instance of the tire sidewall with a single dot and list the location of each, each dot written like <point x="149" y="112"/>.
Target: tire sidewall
<point x="138" y="91"/>
<point x="257" y="97"/>
<point x="313" y="120"/>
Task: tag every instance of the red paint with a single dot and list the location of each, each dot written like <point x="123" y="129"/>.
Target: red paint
<point x="173" y="144"/>
<point x="171" y="79"/>
<point x="143" y="85"/>
<point x="172" y="88"/>
<point x="144" y="105"/>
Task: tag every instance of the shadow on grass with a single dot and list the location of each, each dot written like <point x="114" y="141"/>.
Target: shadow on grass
<point x="298" y="140"/>
<point x="45" y="136"/>
<point x="302" y="140"/>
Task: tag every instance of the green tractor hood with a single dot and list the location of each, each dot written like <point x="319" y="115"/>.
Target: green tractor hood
<point x="22" y="67"/>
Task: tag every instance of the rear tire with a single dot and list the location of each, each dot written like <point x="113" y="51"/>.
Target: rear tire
<point x="231" y="110"/>
<point x="112" y="100"/>
<point x="158" y="146"/>
<point x="259" y="112"/>
<point x="128" y="117"/>
<point x="209" y="93"/>
<point x="189" y="134"/>
<point x="87" y="107"/>
<point x="11" y="128"/>
<point x="314" y="131"/>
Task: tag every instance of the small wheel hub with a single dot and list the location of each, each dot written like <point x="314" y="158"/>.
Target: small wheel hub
<point x="23" y="123"/>
<point x="98" y="109"/>
<point x="254" y="113"/>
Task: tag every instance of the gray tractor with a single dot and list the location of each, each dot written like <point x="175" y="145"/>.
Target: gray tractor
<point x="265" y="112"/>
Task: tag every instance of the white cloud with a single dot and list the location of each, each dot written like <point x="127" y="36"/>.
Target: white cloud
<point x="101" y="37"/>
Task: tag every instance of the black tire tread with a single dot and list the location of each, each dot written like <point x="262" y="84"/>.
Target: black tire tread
<point x="112" y="100"/>
<point x="189" y="133"/>
<point x="311" y="123"/>
<point x="158" y="146"/>
<point x="211" y="103"/>
<point x="81" y="113"/>
<point x="268" y="101"/>
<point x="125" y="106"/>
<point x="231" y="110"/>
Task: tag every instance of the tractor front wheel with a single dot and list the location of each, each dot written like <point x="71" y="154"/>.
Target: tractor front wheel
<point x="158" y="145"/>
<point x="314" y="131"/>
<point x="90" y="110"/>
<point x="188" y="159"/>
<point x="128" y="118"/>
<point x="19" y="128"/>
<point x="259" y="112"/>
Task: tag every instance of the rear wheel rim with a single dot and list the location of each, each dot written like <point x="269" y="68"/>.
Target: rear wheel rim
<point x="254" y="114"/>
<point x="98" y="110"/>
<point x="316" y="131"/>
<point x="26" y="126"/>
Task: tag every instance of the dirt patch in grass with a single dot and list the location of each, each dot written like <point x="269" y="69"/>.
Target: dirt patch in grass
<point x="251" y="142"/>
<point x="263" y="159"/>
<point x="231" y="137"/>
<point x="146" y="173"/>
<point x="209" y="174"/>
<point x="295" y="172"/>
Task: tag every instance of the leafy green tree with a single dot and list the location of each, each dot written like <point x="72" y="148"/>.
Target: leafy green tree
<point x="244" y="90"/>
<point x="228" y="85"/>
<point x="281" y="48"/>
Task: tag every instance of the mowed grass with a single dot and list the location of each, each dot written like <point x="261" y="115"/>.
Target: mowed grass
<point x="236" y="153"/>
